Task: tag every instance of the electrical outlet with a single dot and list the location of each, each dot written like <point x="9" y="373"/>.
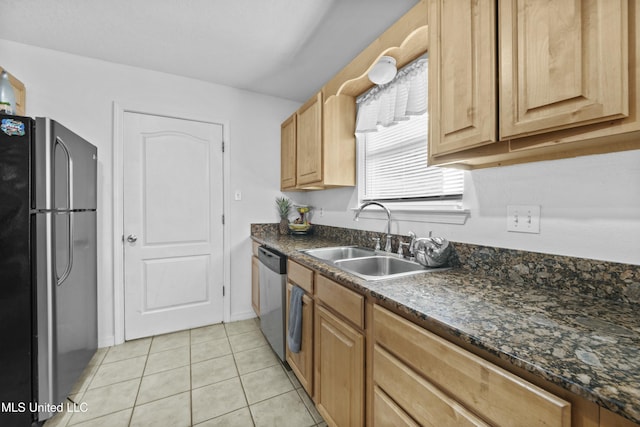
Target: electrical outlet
<point x="523" y="218"/>
<point x="321" y="211"/>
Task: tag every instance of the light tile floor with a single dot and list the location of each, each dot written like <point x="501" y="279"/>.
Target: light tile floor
<point x="219" y="375"/>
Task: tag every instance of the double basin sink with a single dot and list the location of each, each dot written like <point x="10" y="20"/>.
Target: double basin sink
<point x="367" y="263"/>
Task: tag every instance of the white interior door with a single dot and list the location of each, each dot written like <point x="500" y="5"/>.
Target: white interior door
<point x="173" y="232"/>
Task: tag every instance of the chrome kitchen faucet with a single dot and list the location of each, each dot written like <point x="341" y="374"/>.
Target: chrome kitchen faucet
<point x="387" y="246"/>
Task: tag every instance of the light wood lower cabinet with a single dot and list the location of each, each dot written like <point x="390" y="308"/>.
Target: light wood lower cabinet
<point x="438" y="383"/>
<point x="412" y="376"/>
<point x="339" y="370"/>
<point x="255" y="278"/>
<point x="255" y="284"/>
<point x="423" y="401"/>
<point x="302" y="362"/>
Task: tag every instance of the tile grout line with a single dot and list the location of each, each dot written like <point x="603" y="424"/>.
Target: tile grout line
<point x="238" y="331"/>
<point x="233" y="354"/>
<point x="146" y="360"/>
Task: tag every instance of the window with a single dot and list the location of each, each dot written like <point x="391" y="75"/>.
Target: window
<point x="392" y="128"/>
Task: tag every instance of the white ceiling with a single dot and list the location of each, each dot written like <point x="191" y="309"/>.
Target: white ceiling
<point x="285" y="48"/>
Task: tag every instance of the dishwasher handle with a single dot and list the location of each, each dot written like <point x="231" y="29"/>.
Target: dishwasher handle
<point x="272" y="259"/>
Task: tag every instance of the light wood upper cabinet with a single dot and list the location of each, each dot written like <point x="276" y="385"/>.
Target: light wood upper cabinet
<point x="462" y="70"/>
<point x="318" y="148"/>
<point x="309" y="140"/>
<point x="562" y="64"/>
<point x="288" y="153"/>
<point x="566" y="80"/>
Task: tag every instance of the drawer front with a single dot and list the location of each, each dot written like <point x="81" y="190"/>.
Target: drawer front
<point x="301" y="276"/>
<point x="347" y="303"/>
<point x="254" y="248"/>
<point x="489" y="391"/>
<point x="387" y="413"/>
<point x="419" y="398"/>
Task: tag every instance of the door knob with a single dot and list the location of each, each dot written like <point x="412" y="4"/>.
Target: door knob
<point x="131" y="238"/>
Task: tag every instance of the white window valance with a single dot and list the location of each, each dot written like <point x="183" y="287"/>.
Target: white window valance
<point x="404" y="96"/>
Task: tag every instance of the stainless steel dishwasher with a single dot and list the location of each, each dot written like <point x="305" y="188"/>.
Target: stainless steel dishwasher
<point x="273" y="282"/>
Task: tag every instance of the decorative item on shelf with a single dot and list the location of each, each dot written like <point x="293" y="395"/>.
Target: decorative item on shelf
<point x="301" y="225"/>
<point x="7" y="95"/>
<point x="284" y="207"/>
<point x="383" y="71"/>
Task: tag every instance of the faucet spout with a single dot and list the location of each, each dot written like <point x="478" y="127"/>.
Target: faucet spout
<point x="387" y="247"/>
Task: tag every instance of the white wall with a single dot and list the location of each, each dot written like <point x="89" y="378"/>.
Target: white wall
<point x="79" y="92"/>
<point x="590" y="207"/>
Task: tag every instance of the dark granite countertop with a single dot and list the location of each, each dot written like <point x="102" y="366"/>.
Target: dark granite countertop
<point x="587" y="345"/>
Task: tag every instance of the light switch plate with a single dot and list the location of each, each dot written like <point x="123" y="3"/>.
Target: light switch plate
<point x="238" y="195"/>
<point x="523" y="218"/>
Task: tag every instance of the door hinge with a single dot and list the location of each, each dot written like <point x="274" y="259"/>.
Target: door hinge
<point x="223" y="291"/>
<point x="222" y="219"/>
<point x="223" y="146"/>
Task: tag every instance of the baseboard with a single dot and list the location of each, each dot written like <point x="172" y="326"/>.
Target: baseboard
<point x="107" y="341"/>
<point x="243" y="316"/>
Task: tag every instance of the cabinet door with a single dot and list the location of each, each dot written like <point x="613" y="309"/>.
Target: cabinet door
<point x="309" y="141"/>
<point x="609" y="419"/>
<point x="462" y="75"/>
<point x="288" y="153"/>
<point x="255" y="284"/>
<point x="563" y="64"/>
<point x="302" y="362"/>
<point x="339" y="370"/>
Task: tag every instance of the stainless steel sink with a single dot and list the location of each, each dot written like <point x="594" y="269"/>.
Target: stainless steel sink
<point x="339" y="252"/>
<point x="381" y="267"/>
<point x="367" y="263"/>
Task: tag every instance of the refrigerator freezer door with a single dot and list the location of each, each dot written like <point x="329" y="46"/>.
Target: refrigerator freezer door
<point x="65" y="168"/>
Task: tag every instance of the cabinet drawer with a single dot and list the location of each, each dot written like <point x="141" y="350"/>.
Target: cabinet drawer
<point x="342" y="300"/>
<point x="387" y="413"/>
<point x="254" y="248"/>
<point x="419" y="398"/>
<point x="301" y="276"/>
<point x="496" y="395"/>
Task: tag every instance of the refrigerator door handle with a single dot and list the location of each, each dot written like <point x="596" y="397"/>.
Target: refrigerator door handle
<point x="67" y="270"/>
<point x="64" y="147"/>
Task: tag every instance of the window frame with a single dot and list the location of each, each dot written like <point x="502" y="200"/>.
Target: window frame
<point x="446" y="211"/>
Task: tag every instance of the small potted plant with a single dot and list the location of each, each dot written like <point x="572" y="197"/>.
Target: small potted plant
<point x="284" y="207"/>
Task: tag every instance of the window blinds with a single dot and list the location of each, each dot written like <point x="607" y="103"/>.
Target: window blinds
<point x="395" y="165"/>
<point x="393" y="124"/>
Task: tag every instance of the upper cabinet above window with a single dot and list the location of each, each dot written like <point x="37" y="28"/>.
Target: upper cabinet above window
<point x="522" y="80"/>
<point x="318" y="141"/>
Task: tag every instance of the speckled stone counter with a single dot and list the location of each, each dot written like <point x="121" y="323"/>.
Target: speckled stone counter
<point x="578" y="340"/>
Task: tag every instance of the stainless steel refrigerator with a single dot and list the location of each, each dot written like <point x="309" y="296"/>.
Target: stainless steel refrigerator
<point x="48" y="293"/>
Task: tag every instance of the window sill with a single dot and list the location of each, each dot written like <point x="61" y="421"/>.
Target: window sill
<point x="429" y="212"/>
